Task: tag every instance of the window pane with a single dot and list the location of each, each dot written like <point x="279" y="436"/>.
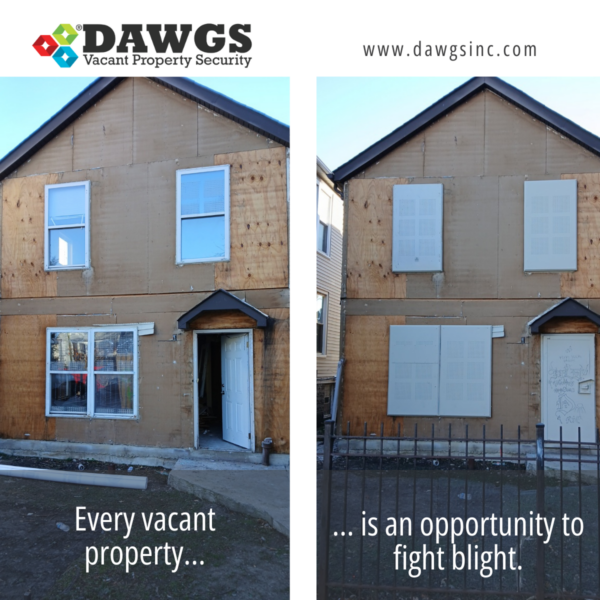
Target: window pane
<point x="114" y="394"/>
<point x="69" y="351"/>
<point x="113" y="351"/>
<point x="324" y="201"/>
<point x="319" y="338"/>
<point x="68" y="393"/>
<point x="66" y="205"/>
<point x="320" y="305"/>
<point x="67" y="247"/>
<point x="322" y="234"/>
<point x="203" y="193"/>
<point x="202" y="238"/>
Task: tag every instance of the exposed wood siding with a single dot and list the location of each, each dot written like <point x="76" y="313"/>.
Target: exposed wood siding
<point x="585" y="282"/>
<point x="23" y="377"/>
<point x="259" y="236"/>
<point x="23" y="274"/>
<point x="369" y="263"/>
<point x="329" y="280"/>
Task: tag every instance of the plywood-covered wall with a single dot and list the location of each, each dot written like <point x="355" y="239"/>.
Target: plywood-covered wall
<point x="482" y="153"/>
<point x="130" y="145"/>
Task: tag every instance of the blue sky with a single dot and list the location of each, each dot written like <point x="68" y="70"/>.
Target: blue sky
<point x="27" y="102"/>
<point x="355" y="112"/>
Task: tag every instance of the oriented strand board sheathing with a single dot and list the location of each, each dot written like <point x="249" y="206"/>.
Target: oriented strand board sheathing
<point x="223" y="319"/>
<point x="23" y="377"/>
<point x="513" y="282"/>
<point x="569" y="325"/>
<point x="454" y="146"/>
<point x="369" y="260"/>
<point x="23" y="274"/>
<point x="276" y="381"/>
<point x="365" y="386"/>
<point x="164" y="276"/>
<point x="55" y="157"/>
<point x="258" y="217"/>
<point x="165" y="123"/>
<point x="103" y="135"/>
<point x="515" y="142"/>
<point x="585" y="282"/>
<point x="258" y="341"/>
<point x="218" y="134"/>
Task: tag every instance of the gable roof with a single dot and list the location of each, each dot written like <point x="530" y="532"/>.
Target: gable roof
<point x="240" y="113"/>
<point x="565" y="308"/>
<point x="452" y="101"/>
<point x="222" y="300"/>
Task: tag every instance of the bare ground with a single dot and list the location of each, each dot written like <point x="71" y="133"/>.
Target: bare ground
<point x="244" y="558"/>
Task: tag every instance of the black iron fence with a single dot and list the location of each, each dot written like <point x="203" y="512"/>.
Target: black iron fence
<point x="457" y="516"/>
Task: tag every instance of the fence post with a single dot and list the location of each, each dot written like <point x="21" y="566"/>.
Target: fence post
<point x="323" y="557"/>
<point x="540" y="506"/>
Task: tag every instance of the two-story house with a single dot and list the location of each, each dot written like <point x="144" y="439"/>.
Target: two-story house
<point x="144" y="296"/>
<point x="471" y="270"/>
<point x="330" y="218"/>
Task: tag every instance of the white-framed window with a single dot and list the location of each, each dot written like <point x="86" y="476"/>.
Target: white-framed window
<point x="550" y="220"/>
<point x="417" y="224"/>
<point x="203" y="214"/>
<point x="440" y="370"/>
<point x="67" y="226"/>
<point x="324" y="207"/>
<point x="92" y="372"/>
<point x="321" y="324"/>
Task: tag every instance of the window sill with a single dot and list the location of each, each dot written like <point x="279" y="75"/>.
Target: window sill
<point x="92" y="417"/>
<point x="196" y="261"/>
<point x="323" y="253"/>
<point x="78" y="268"/>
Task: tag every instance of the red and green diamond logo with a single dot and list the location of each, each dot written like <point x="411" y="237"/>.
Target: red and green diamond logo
<point x="58" y="45"/>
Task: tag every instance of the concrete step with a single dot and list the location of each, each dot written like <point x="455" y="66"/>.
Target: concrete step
<point x="251" y="489"/>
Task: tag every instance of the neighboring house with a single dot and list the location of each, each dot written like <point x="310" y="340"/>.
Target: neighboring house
<point x="145" y="272"/>
<point x="330" y="211"/>
<point x="469" y="231"/>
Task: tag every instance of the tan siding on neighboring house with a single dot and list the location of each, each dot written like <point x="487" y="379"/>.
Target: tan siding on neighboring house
<point x="329" y="281"/>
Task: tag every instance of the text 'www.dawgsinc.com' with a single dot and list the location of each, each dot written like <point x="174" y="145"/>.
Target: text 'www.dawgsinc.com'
<point x="451" y="51"/>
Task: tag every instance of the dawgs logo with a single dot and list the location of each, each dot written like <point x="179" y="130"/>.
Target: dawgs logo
<point x="58" y="45"/>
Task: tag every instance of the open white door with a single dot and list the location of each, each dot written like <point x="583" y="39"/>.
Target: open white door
<point x="236" y="389"/>
<point x="568" y="386"/>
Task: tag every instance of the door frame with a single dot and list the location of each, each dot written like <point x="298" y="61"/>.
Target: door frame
<point x="543" y="381"/>
<point x="197" y="332"/>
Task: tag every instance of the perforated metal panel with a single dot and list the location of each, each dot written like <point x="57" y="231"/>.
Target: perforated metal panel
<point x="550" y="237"/>
<point x="466" y="371"/>
<point x="417" y="227"/>
<point x="413" y="370"/>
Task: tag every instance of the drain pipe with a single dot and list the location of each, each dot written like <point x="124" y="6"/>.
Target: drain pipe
<point x="267" y="446"/>
<point x="102" y="479"/>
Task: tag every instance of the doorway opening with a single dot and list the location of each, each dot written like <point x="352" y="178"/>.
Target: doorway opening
<point x="223" y="390"/>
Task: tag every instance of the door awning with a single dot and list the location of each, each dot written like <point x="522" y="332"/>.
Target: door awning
<point x="565" y="308"/>
<point x="222" y="300"/>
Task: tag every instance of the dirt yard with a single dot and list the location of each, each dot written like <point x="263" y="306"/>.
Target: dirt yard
<point x="244" y="558"/>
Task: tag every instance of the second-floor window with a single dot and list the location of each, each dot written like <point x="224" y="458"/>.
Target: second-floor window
<point x="323" y="220"/>
<point x="417" y="228"/>
<point x="203" y="214"/>
<point x="67" y="227"/>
